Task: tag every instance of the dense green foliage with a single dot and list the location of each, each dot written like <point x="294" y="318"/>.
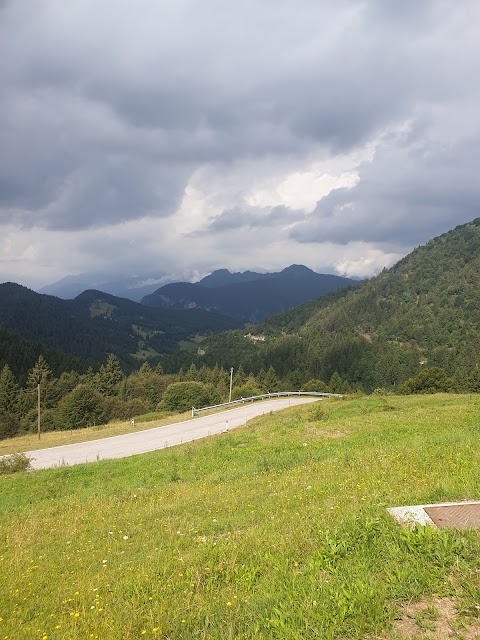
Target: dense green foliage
<point x="81" y="407"/>
<point x="184" y="395"/>
<point x="21" y="355"/>
<point x="73" y="400"/>
<point x="430" y="380"/>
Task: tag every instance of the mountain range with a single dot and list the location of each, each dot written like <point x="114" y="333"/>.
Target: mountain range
<point x="136" y="287"/>
<point x="95" y="323"/>
<point x="247" y="296"/>
<point x="423" y="311"/>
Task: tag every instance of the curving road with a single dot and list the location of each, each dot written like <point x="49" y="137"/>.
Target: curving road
<point x="157" y="438"/>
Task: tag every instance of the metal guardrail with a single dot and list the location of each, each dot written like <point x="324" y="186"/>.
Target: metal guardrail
<point x="277" y="394"/>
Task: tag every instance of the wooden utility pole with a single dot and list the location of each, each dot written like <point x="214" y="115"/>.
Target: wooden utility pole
<point x="38" y="410"/>
<point x="231" y="381"/>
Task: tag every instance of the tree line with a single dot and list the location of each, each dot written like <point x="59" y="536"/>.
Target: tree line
<point x="73" y="400"/>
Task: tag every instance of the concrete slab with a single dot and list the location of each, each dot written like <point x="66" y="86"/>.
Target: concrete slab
<point x="457" y="515"/>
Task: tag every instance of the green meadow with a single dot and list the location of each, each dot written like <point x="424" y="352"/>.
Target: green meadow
<point x="275" y="530"/>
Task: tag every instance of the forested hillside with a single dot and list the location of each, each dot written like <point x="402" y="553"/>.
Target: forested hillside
<point x="95" y="324"/>
<point x="21" y="355"/>
<point x="424" y="311"/>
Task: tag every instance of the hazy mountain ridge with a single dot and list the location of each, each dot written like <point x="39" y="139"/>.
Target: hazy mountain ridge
<point x="249" y="297"/>
<point x="131" y="287"/>
<point x="223" y="277"/>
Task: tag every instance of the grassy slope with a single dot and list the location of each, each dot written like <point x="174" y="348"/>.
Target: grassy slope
<point x="278" y="530"/>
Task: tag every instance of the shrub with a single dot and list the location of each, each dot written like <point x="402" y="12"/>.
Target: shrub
<point x="181" y="396"/>
<point x="82" y="407"/>
<point x="135" y="407"/>
<point x="430" y="380"/>
<point x="379" y="391"/>
<point x="318" y="386"/>
<point x="245" y="391"/>
<point x="14" y="463"/>
<point x="117" y="409"/>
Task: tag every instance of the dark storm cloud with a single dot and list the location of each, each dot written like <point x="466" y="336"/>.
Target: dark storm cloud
<point x="205" y="97"/>
<point x="406" y="195"/>
<point x="297" y="92"/>
<point x="67" y="164"/>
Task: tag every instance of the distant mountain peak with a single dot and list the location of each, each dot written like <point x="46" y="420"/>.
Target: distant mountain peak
<point x="224" y="277"/>
<point x="299" y="270"/>
<point x="247" y="296"/>
<point x="298" y="267"/>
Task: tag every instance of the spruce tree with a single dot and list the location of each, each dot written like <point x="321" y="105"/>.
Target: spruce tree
<point x="39" y="374"/>
<point x="192" y="374"/>
<point x="336" y="383"/>
<point x="110" y="376"/>
<point x="145" y="369"/>
<point x="270" y="381"/>
<point x="9" y="391"/>
<point x="239" y="377"/>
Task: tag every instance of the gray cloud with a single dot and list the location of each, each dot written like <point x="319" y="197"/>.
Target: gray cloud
<point x="407" y="194"/>
<point x="253" y="217"/>
<point x="109" y="112"/>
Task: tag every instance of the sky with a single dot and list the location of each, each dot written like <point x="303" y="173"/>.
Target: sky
<point x="176" y="137"/>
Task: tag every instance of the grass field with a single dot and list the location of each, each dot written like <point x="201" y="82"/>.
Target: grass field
<point x="276" y="530"/>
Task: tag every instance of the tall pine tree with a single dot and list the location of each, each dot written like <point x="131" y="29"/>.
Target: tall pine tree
<point x="110" y="376"/>
<point x="9" y="391"/>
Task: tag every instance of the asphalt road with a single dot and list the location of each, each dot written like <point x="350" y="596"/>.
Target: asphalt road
<point x="158" y="438"/>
